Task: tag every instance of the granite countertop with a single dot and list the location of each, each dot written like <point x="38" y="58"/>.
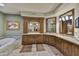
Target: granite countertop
<point x="32" y="33"/>
<point x="63" y="36"/>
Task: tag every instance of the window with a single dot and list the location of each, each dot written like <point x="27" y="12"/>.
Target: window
<point x="51" y="24"/>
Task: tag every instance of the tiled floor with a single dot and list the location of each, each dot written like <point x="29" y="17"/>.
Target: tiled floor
<point x="36" y="50"/>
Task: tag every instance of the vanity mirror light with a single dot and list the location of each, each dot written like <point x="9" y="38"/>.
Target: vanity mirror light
<point x="51" y="25"/>
<point x="67" y="23"/>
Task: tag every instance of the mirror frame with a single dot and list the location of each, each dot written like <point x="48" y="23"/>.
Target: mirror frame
<point x="47" y="24"/>
<point x="72" y="10"/>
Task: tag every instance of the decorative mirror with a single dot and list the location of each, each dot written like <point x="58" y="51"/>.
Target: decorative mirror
<point x="13" y="25"/>
<point x="51" y="24"/>
<point x="33" y="27"/>
<point x="67" y="22"/>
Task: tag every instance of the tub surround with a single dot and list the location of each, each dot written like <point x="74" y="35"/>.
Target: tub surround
<point x="68" y="45"/>
<point x="6" y="41"/>
<point x="4" y="51"/>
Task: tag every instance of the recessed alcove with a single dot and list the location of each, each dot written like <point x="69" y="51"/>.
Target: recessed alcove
<point x="33" y="25"/>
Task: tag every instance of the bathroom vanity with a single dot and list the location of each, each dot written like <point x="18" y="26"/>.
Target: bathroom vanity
<point x="69" y="46"/>
<point x="65" y="42"/>
<point x="32" y="39"/>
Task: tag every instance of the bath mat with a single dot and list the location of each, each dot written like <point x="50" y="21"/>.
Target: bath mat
<point x="40" y="47"/>
<point x="26" y="48"/>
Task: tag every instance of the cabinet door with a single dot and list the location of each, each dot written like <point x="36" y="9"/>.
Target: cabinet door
<point x="67" y="48"/>
<point x="61" y="45"/>
<point x="58" y="43"/>
<point x="38" y="39"/>
<point x="31" y="39"/>
<point x="46" y="37"/>
<point x="24" y="40"/>
<point x="75" y="50"/>
<point x="52" y="40"/>
<point x="27" y="39"/>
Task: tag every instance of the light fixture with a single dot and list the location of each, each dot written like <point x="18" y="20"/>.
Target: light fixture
<point x="1" y="4"/>
<point x="67" y="18"/>
<point x="63" y="18"/>
<point x="60" y="19"/>
<point x="37" y="24"/>
<point x="71" y="17"/>
<point x="30" y="24"/>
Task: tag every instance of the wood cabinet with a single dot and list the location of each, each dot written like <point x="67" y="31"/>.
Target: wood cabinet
<point x="66" y="47"/>
<point x="27" y="39"/>
<point x="52" y="40"/>
<point x="58" y="43"/>
<point x="38" y="39"/>
<point x="46" y="38"/>
<point x="75" y="50"/>
<point x="32" y="39"/>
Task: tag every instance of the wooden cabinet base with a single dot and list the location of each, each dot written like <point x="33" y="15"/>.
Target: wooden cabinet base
<point x="32" y="39"/>
<point x="66" y="47"/>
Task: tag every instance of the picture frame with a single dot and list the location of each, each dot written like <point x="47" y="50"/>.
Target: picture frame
<point x="77" y="23"/>
<point x="13" y="25"/>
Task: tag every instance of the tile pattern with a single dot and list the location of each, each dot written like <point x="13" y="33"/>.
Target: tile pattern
<point x="44" y="50"/>
<point x="26" y="48"/>
<point x="40" y="47"/>
<point x="55" y="51"/>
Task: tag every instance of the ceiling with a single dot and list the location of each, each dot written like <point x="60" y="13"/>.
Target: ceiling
<point x="17" y="8"/>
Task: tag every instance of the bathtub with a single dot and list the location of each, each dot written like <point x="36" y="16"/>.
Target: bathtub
<point x="7" y="45"/>
<point x="6" y="41"/>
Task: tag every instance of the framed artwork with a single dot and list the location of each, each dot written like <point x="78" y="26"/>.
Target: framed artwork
<point x="77" y="23"/>
<point x="13" y="25"/>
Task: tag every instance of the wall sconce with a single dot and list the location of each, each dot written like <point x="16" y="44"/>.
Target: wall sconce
<point x="71" y="17"/>
<point x="67" y="18"/>
<point x="63" y="18"/>
<point x="60" y="19"/>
